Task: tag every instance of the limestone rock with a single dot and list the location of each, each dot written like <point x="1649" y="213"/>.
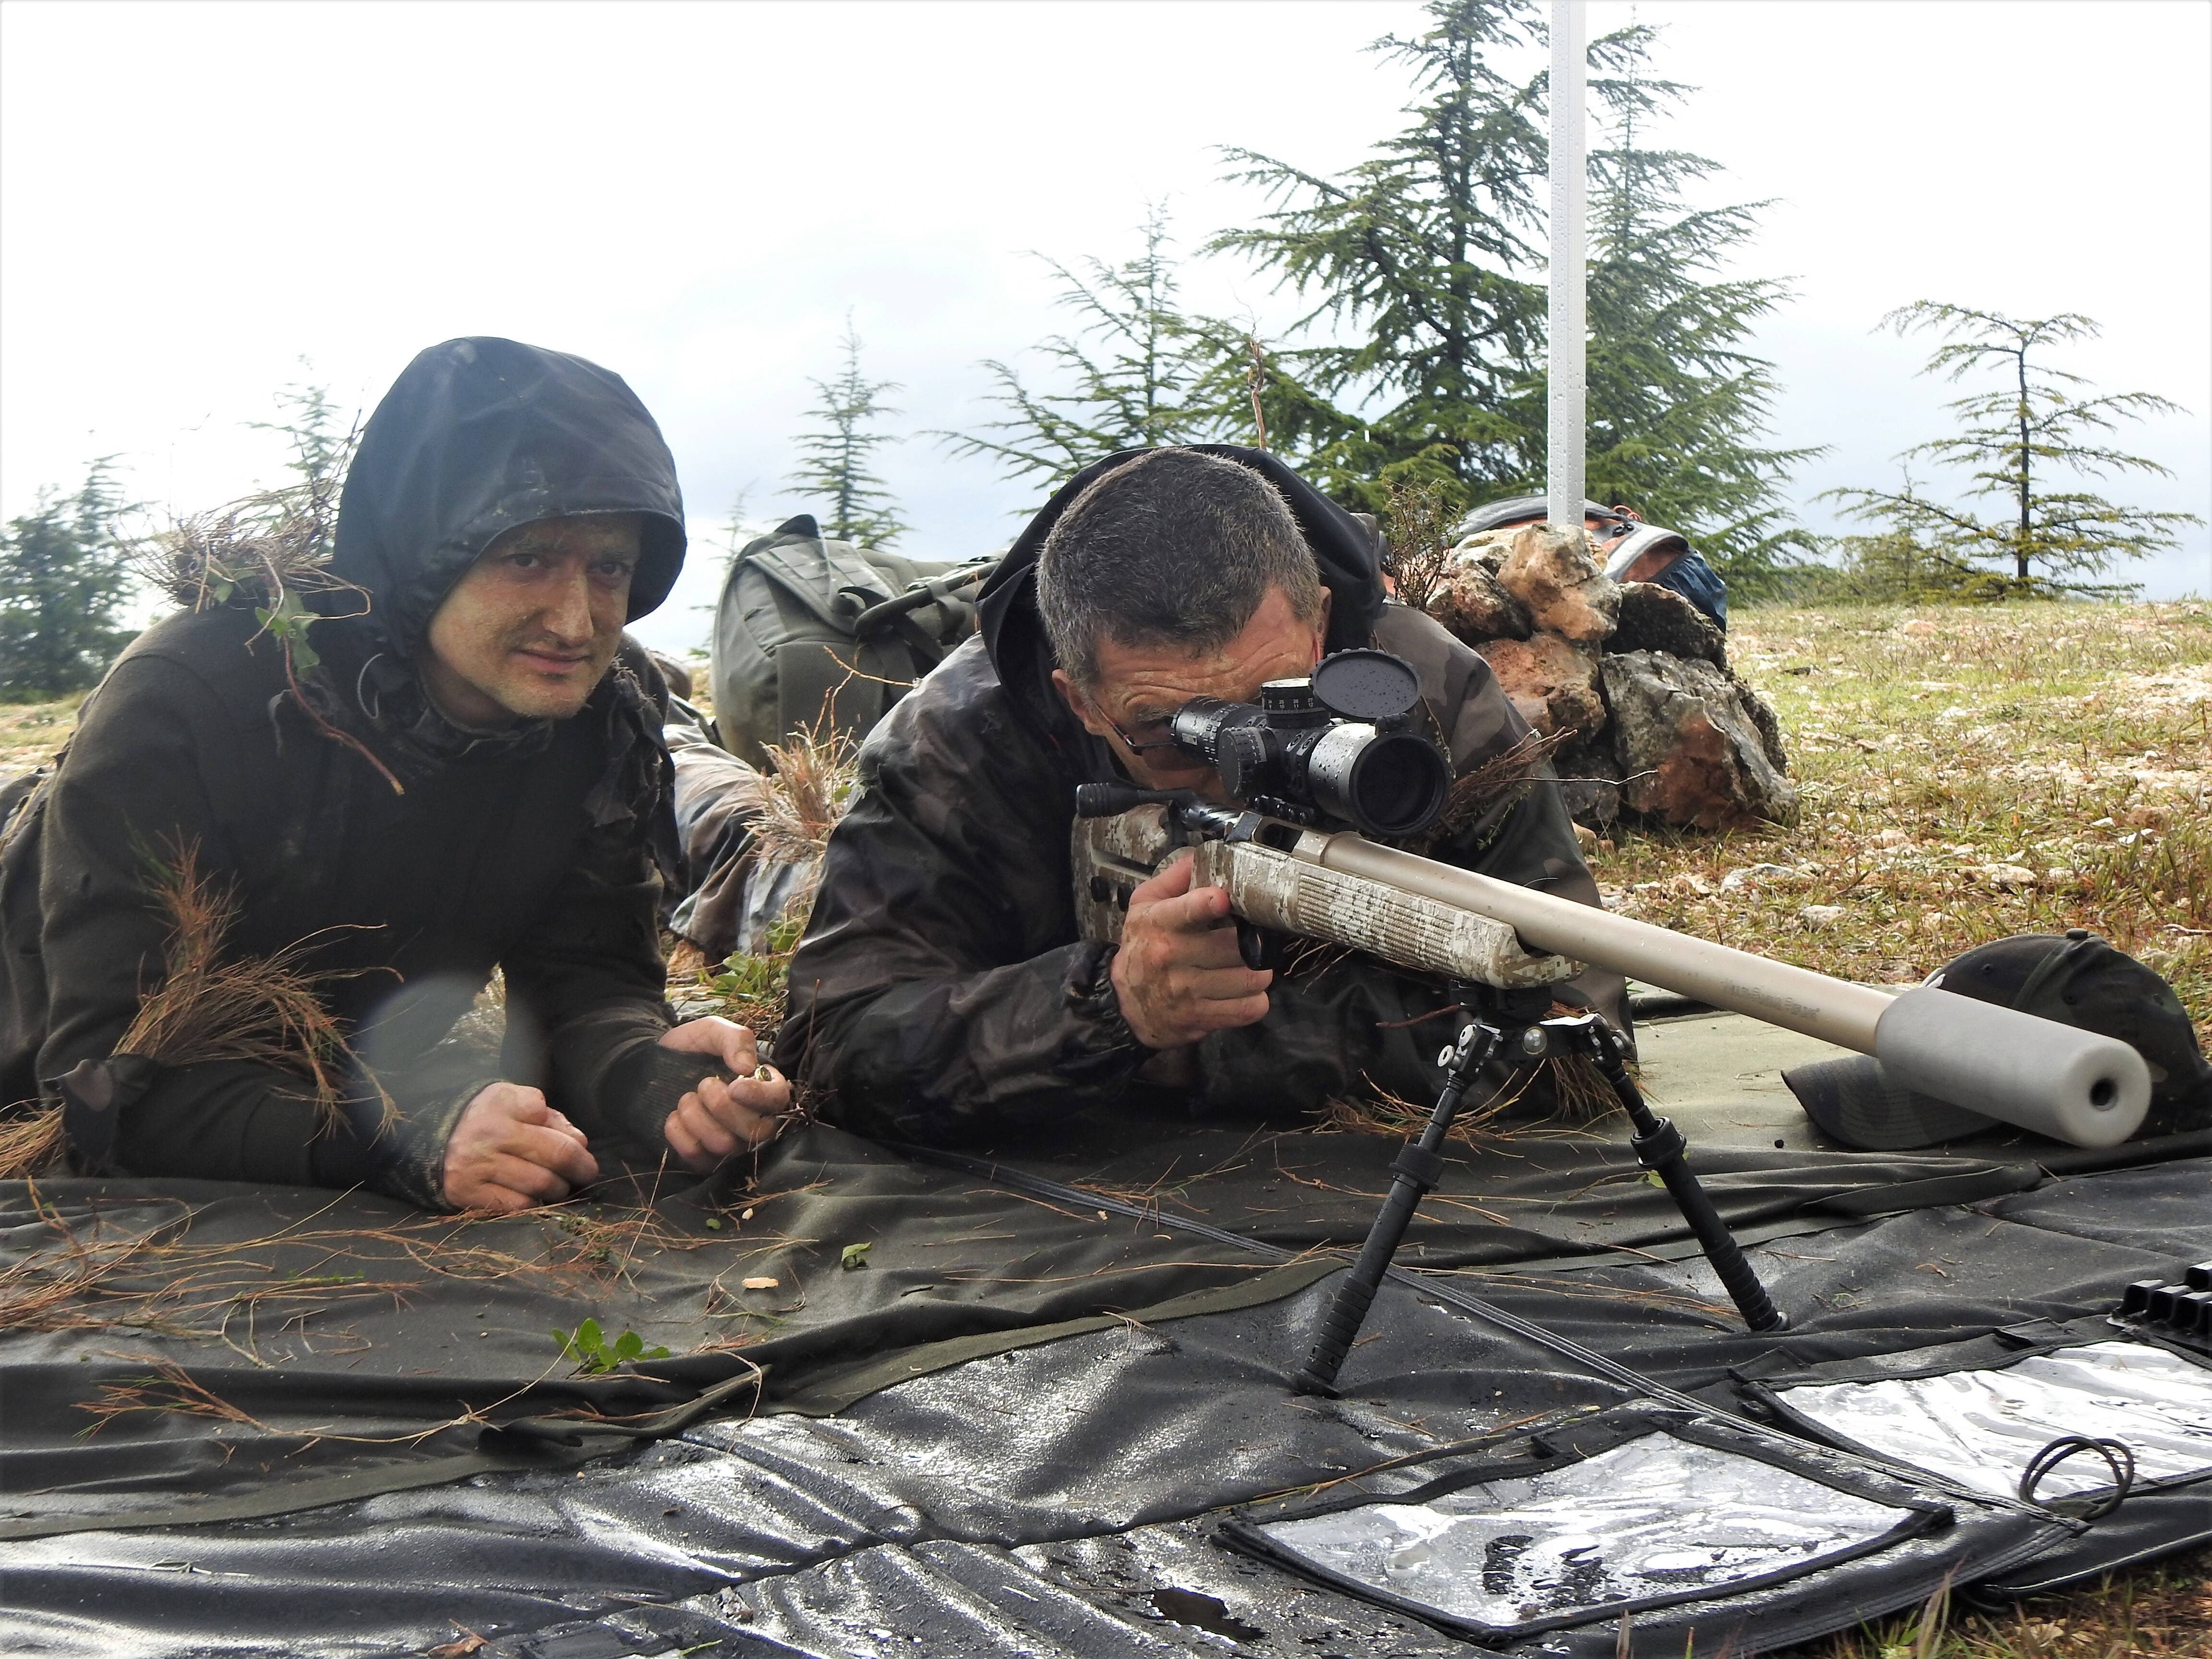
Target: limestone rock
<point x="1691" y="753"/>
<point x="1656" y="619"/>
<point x="1552" y="682"/>
<point x="1487" y="548"/>
<point x="1470" y="601"/>
<point x="1557" y="575"/>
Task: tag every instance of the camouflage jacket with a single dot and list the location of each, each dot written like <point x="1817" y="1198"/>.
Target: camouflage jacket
<point x="941" y="992"/>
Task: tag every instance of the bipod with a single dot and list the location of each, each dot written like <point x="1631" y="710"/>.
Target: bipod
<point x="1658" y="1145"/>
<point x="1660" y="1148"/>
<point x="1414" y="1172"/>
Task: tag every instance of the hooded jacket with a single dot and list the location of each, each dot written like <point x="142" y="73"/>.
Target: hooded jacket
<point x="941" y="991"/>
<point x="534" y="850"/>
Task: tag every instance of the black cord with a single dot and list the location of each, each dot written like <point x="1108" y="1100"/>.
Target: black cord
<point x="2118" y="1458"/>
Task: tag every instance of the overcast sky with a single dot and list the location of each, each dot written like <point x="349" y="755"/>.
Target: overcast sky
<point x="194" y="197"/>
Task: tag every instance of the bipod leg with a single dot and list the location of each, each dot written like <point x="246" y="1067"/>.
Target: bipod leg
<point x="1415" y="1171"/>
<point x="1659" y="1146"/>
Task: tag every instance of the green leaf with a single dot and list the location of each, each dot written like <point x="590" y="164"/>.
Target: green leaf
<point x="628" y="1345"/>
<point x="304" y="656"/>
<point x="568" y="1343"/>
<point x="590" y="1337"/>
<point x="654" y="1353"/>
<point x="854" y="1256"/>
<point x="713" y="1223"/>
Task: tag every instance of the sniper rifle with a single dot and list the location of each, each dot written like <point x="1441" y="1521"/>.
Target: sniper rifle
<point x="1317" y="762"/>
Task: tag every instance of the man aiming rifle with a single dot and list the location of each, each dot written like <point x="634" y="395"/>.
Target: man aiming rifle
<point x="943" y="989"/>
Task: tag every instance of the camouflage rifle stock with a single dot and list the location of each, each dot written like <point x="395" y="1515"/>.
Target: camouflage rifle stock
<point x="1418" y="913"/>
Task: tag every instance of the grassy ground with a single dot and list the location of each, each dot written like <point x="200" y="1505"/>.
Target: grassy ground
<point x="1967" y="774"/>
<point x="2160" y="1612"/>
<point x="30" y="732"/>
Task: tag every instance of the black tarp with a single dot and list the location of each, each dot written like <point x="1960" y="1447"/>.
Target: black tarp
<point x="1100" y="1374"/>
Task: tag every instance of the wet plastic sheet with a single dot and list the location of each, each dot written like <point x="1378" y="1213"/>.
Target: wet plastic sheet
<point x="1982" y="1427"/>
<point x="1106" y="1446"/>
<point x="1658" y="1520"/>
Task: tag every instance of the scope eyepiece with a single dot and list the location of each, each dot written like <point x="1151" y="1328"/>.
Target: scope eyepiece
<point x="1313" y="748"/>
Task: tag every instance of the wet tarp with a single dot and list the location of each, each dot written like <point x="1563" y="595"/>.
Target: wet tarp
<point x="288" y="1422"/>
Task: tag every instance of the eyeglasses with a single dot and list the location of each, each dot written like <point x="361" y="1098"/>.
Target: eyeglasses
<point x="1134" y="744"/>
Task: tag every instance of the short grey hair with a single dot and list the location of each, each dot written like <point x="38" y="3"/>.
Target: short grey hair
<point x="1174" y="548"/>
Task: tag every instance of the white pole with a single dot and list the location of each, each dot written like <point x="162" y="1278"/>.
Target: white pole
<point x="1562" y="490"/>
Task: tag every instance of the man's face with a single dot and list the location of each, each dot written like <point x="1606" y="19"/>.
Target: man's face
<point x="530" y="631"/>
<point x="1140" y="687"/>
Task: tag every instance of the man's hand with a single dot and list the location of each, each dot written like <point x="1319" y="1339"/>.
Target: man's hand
<point x="511" y="1151"/>
<point x="717" y="1118"/>
<point x="1177" y="975"/>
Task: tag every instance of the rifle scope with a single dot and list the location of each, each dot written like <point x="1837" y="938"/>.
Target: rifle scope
<point x="1332" y="746"/>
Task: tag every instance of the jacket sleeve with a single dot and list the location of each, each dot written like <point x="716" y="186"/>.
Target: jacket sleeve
<point x="132" y="795"/>
<point x="586" y="996"/>
<point x="937" y="993"/>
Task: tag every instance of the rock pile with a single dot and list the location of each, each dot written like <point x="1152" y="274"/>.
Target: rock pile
<point x="1631" y="676"/>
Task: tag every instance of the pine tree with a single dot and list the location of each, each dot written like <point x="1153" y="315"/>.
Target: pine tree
<point x="1412" y="262"/>
<point x="2015" y="436"/>
<point x="64" y="579"/>
<point x="1676" y="405"/>
<point x="322" y="450"/>
<point x="837" y="458"/>
<point x="1130" y="376"/>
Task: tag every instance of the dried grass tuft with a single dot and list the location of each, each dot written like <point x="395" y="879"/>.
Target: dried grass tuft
<point x="33" y="1145"/>
<point x="805" y="795"/>
<point x="263" y="1010"/>
<point x="260" y="547"/>
<point x="1379" y="1112"/>
<point x="1476" y="795"/>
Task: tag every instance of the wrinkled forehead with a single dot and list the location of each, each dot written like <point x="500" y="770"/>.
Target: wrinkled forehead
<point x="586" y="534"/>
<point x="1152" y="681"/>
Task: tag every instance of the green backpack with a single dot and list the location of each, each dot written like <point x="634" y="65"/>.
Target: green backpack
<point x="824" y="636"/>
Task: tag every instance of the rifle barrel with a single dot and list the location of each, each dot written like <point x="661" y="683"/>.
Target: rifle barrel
<point x="1834" y="1010"/>
<point x="2059" y="1080"/>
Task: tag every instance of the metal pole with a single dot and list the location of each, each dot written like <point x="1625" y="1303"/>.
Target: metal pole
<point x="1563" y="491"/>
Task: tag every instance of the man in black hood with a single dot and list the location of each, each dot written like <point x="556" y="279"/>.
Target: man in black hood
<point x="463" y="773"/>
<point x="941" y="991"/>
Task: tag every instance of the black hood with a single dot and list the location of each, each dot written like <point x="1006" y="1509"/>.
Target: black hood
<point x="476" y="437"/>
<point x="1014" y="632"/>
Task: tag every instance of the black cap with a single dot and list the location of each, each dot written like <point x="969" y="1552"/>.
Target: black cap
<point x="2076" y="979"/>
<point x="1521" y="509"/>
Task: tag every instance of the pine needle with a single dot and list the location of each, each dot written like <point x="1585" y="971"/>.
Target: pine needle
<point x="265" y="1011"/>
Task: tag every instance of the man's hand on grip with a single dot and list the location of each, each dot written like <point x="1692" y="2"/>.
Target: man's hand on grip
<point x="1178" y="975"/>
